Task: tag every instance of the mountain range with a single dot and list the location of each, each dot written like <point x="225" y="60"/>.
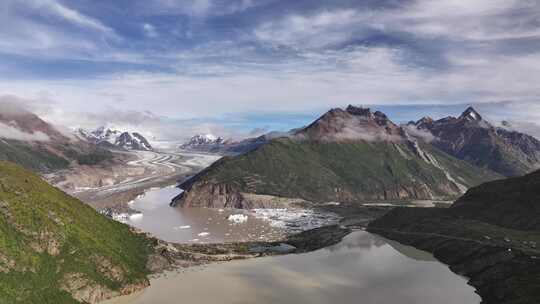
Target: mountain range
<point x="111" y="138"/>
<point x="471" y="138"/>
<point x="355" y="155"/>
<point x="214" y="144"/>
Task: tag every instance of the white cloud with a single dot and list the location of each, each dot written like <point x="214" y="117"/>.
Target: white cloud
<point x="150" y="30"/>
<point x="22" y="34"/>
<point x="313" y="31"/>
<point x="68" y="14"/>
<point x="12" y="132"/>
<point x="198" y="8"/>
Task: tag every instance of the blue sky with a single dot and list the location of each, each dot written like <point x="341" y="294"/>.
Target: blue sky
<point x="269" y="64"/>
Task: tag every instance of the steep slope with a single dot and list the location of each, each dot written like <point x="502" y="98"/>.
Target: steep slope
<point x="491" y="235"/>
<point x="471" y="138"/>
<point x="512" y="203"/>
<point x="350" y="155"/>
<point x="33" y="143"/>
<point x="55" y="249"/>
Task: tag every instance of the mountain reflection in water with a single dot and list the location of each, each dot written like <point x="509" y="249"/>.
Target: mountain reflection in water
<point x="363" y="268"/>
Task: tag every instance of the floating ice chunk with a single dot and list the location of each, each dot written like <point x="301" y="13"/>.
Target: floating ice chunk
<point x="182" y="227"/>
<point x="136" y="217"/>
<point x="238" y="218"/>
<point x="332" y="204"/>
<point x="204" y="234"/>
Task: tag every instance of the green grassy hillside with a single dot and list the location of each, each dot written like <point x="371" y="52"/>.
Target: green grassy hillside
<point x="513" y="203"/>
<point x="339" y="171"/>
<point x="51" y="243"/>
<point x="34" y="158"/>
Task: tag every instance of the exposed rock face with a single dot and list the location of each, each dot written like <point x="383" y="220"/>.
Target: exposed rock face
<point x="212" y="196"/>
<point x="350" y="155"/>
<point x="133" y="141"/>
<point x="227" y="196"/>
<point x="471" y="138"/>
<point x="86" y="291"/>
<point x="352" y="124"/>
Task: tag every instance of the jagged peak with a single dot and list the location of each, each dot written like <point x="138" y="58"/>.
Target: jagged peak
<point x="358" y="111"/>
<point x="471" y="114"/>
<point x="422" y="122"/>
<point x="425" y="119"/>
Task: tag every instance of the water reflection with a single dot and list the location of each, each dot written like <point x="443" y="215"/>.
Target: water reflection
<point x="362" y="269"/>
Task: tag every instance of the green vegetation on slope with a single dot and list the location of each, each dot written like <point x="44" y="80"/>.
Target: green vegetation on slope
<point x="342" y="171"/>
<point x="49" y="239"/>
<point x="491" y="235"/>
<point x="512" y="203"/>
<point x="34" y="158"/>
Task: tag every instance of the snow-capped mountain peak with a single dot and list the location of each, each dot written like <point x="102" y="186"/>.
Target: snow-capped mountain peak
<point x="113" y="137"/>
<point x="203" y="140"/>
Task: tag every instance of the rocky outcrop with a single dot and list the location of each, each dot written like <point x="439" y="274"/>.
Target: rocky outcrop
<point x="353" y="123"/>
<point x="85" y="290"/>
<point x="211" y="195"/>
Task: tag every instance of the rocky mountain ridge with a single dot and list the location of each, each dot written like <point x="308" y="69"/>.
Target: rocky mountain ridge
<point x="112" y="138"/>
<point x="213" y="144"/>
<point x="347" y="155"/>
<point x="471" y="138"/>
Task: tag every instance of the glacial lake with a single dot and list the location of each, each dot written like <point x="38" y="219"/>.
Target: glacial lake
<point x="207" y="225"/>
<point x="363" y="268"/>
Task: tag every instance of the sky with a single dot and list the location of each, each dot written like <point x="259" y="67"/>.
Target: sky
<point x="177" y="67"/>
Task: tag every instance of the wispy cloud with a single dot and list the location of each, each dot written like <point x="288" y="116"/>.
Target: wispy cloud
<point x="204" y="58"/>
<point x="57" y="9"/>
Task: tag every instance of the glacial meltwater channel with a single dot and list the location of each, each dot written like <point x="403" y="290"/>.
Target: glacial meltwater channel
<point x="363" y="268"/>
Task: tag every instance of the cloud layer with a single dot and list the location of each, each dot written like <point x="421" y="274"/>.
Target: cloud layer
<point x="210" y="58"/>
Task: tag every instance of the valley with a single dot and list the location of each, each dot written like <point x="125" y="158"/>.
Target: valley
<point x="310" y="197"/>
<point x="112" y="187"/>
<point x="270" y="151"/>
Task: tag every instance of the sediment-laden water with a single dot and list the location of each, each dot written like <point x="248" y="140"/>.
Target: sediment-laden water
<point x="363" y="268"/>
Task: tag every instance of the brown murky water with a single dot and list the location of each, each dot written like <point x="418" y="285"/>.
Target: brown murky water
<point x="195" y="225"/>
<point x="363" y="268"/>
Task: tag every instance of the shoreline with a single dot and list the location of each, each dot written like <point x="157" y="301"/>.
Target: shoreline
<point x="501" y="264"/>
